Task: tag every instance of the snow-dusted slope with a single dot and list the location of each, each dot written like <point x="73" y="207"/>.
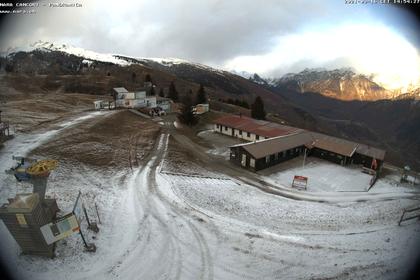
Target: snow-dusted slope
<point x="113" y="58"/>
<point x="90" y="55"/>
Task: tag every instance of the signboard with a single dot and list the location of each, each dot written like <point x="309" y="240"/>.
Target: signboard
<point x="300" y="182"/>
<point x="21" y="220"/>
<point x="61" y="228"/>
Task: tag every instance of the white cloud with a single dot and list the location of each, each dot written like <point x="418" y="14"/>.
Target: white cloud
<point x="369" y="49"/>
<point x="267" y="37"/>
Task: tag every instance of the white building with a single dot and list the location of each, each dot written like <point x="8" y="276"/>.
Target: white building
<point x="103" y="104"/>
<point x="250" y="129"/>
<point x="164" y="103"/>
<point x="139" y="99"/>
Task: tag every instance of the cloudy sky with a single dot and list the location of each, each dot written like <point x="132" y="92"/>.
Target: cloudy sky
<point x="268" y="37"/>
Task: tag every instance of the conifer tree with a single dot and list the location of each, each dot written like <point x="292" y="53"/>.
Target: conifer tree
<point x="201" y="95"/>
<point x="257" y="109"/>
<point x="161" y="94"/>
<point x="187" y="116"/>
<point x="173" y="94"/>
<point x="147" y="78"/>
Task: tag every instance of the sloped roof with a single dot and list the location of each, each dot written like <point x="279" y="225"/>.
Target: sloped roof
<point x="120" y="90"/>
<point x="334" y="144"/>
<point x="258" y="127"/>
<point x="233" y="121"/>
<point x="370" y="151"/>
<point x="274" y="145"/>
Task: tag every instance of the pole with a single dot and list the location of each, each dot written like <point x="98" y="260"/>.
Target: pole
<point x="77" y="200"/>
<point x="86" y="215"/>
<point x="97" y="213"/>
<point x="83" y="238"/>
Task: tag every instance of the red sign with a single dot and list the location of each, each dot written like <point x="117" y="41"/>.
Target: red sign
<point x="300" y="182"/>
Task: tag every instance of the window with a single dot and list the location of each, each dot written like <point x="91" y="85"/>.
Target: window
<point x="284" y="153"/>
<point x="275" y="156"/>
<point x="267" y="159"/>
<point x="217" y="126"/>
<point x="249" y="134"/>
<point x="252" y="162"/>
<point x="240" y="132"/>
<point x="226" y="127"/>
<point x="258" y="137"/>
<point x="243" y="161"/>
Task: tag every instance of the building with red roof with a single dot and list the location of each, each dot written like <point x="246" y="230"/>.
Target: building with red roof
<point x="272" y="143"/>
<point x="251" y="129"/>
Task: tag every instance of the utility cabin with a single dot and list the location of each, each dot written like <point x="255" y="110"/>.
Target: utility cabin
<point x="103" y="105"/>
<point x="265" y="153"/>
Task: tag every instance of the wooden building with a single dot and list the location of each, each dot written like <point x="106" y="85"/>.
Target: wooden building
<point x="265" y="153"/>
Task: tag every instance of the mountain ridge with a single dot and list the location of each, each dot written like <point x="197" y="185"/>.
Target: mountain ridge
<point x="385" y="123"/>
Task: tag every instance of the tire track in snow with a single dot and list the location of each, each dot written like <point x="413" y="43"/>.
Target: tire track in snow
<point x="206" y="271"/>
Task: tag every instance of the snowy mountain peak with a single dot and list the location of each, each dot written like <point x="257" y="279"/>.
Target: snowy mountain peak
<point x="318" y="74"/>
<point x="48" y="46"/>
<point x="118" y="59"/>
<point x="257" y="79"/>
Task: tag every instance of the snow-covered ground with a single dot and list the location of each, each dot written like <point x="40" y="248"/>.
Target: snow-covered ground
<point x="324" y="176"/>
<point x="166" y="220"/>
<point x="219" y="142"/>
<point x="22" y="144"/>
